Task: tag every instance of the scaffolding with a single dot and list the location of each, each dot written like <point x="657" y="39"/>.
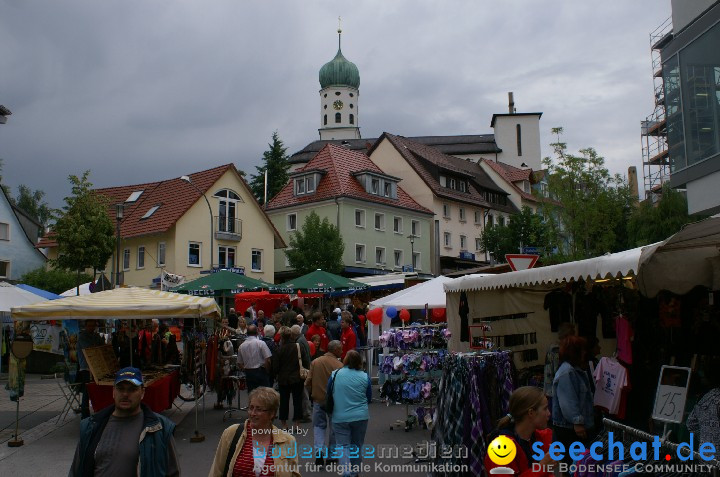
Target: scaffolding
<point x="653" y="130"/>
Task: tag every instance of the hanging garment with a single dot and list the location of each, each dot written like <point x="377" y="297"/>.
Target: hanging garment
<point x="464" y="311"/>
<point x="610" y="379"/>
<point x="559" y="304"/>
<point x="624" y="336"/>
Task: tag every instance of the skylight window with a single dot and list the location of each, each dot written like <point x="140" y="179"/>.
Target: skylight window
<point x="134" y="196"/>
<point x="150" y="212"/>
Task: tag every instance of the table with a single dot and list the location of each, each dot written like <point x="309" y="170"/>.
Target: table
<point x="159" y="395"/>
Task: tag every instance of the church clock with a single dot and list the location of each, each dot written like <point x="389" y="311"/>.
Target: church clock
<point x="338" y="105"/>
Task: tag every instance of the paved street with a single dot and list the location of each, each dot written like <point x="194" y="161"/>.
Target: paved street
<point x="49" y="448"/>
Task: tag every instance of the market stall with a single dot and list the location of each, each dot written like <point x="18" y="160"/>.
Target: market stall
<point x="123" y="304"/>
<point x="223" y="286"/>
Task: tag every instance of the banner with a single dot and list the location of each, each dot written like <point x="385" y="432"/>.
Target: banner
<point x="170" y="280"/>
<point x="46" y="337"/>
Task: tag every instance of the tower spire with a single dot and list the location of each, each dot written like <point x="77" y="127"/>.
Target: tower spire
<point x="339" y="32"/>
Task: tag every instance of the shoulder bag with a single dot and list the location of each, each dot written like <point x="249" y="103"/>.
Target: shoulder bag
<point x="304" y="372"/>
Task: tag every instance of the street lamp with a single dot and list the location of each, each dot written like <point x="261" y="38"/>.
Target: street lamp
<point x="212" y="244"/>
<point x="119" y="211"/>
<point x="412" y="251"/>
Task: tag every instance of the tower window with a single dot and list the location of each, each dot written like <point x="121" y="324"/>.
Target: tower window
<point x="325" y="120"/>
<point x="325" y="107"/>
<point x="351" y="106"/>
<point x="518" y="131"/>
<point x="352" y="119"/>
<point x="351" y="95"/>
<point x="337" y="93"/>
<point x="325" y="95"/>
<point x="338" y="118"/>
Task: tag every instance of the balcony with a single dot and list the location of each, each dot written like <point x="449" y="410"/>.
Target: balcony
<point x="227" y="228"/>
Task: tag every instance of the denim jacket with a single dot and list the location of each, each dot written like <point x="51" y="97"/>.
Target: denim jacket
<point x="573" y="401"/>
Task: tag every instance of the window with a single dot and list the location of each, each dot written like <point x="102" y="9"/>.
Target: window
<point x="287" y="259"/>
<point x="518" y="132"/>
<point x="338" y="117"/>
<point x="337" y="93"/>
<point x="387" y="189"/>
<point x="194" y="254"/>
<point x="351" y="105"/>
<point x="463" y="242"/>
<point x="446" y="211"/>
<point x="380" y="255"/>
<point x="478" y="217"/>
<point x="150" y="212"/>
<point x="141" y="257"/>
<point x="478" y="244"/>
<point x="310" y="183"/>
<point x="490" y="220"/>
<point x="415" y="228"/>
<point x="126" y="259"/>
<point x="452" y="184"/>
<point x="161" y="254"/>
<point x="447" y="240"/>
<point x="352" y="117"/>
<point x="134" y="196"/>
<point x="443" y="181"/>
<point x="462" y="214"/>
<point x="501" y="221"/>
<point x="375" y="186"/>
<point x="463" y="186"/>
<point x="351" y="95"/>
<point x="359" y="218"/>
<point x="416" y="261"/>
<point x="305" y="184"/>
<point x="4" y="231"/>
<point x="325" y="120"/>
<point x="379" y="221"/>
<point x="227" y="205"/>
<point x="398" y="254"/>
<point x="299" y="186"/>
<point x="359" y="253"/>
<point x="256" y="260"/>
<point x="291" y="222"/>
<point x="226" y="257"/>
<point x="4" y="269"/>
<point x="397" y="225"/>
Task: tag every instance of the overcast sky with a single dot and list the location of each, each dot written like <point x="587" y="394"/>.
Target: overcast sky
<point x="147" y="90"/>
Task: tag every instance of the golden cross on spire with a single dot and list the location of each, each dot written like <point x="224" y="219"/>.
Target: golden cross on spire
<point x="339" y="33"/>
<point x="339" y="25"/>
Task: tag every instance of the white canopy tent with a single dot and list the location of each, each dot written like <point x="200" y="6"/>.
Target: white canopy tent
<point x="84" y="290"/>
<point x="11" y="296"/>
<point x="416" y="297"/>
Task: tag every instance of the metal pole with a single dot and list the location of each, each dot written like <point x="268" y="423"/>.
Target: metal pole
<point x="16" y="442"/>
<point x="116" y="282"/>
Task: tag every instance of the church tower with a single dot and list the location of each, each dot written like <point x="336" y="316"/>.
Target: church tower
<point x="339" y="95"/>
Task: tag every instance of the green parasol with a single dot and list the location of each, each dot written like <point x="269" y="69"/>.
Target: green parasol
<point x="221" y="284"/>
<point x="319" y="282"/>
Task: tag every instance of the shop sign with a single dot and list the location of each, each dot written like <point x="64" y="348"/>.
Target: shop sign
<point x="671" y="394"/>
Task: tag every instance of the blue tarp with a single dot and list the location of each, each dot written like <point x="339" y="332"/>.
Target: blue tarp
<point x="39" y="292"/>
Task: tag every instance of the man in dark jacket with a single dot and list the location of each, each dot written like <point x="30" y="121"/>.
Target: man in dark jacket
<point x="109" y="439"/>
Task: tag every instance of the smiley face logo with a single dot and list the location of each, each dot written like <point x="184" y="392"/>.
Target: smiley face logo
<point x="502" y="450"/>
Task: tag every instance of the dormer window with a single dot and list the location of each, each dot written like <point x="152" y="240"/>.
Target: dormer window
<point x="375" y="186"/>
<point x="306" y="184"/>
<point x="378" y="184"/>
<point x="453" y="183"/>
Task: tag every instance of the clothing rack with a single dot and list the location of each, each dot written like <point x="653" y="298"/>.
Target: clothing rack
<point x="665" y="444"/>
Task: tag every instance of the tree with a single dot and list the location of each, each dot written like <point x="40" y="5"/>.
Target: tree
<point x="31" y="202"/>
<point x="591" y="206"/>
<point x="54" y="280"/>
<point x="84" y="233"/>
<point x="317" y="245"/>
<point x="277" y="165"/>
<point x="651" y="223"/>
<point x="525" y="229"/>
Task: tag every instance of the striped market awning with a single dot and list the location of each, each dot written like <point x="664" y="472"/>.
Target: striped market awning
<point x="121" y="303"/>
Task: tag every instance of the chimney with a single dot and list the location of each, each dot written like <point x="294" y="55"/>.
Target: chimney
<point x="511" y="103"/>
<point x="633" y="182"/>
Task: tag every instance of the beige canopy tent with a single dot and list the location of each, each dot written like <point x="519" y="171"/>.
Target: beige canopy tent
<point x="122" y="303"/>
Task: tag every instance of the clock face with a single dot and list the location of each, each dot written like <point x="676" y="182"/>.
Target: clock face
<point x="338" y="104"/>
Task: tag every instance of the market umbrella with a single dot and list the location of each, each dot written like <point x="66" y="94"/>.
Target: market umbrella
<point x="319" y="281"/>
<point x="223" y="283"/>
<point x="11" y="296"/>
<point x="122" y="303"/>
<point x="39" y="291"/>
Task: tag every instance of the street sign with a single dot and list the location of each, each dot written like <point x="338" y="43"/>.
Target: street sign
<point x="520" y="261"/>
<point x="407" y="268"/>
<point x="531" y="250"/>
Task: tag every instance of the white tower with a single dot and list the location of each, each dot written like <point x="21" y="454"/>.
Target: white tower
<point x="339" y="97"/>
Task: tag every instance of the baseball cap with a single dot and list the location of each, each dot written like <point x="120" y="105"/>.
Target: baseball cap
<point x="129" y="374"/>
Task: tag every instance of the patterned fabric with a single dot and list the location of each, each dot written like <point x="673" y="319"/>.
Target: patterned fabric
<point x="477" y="443"/>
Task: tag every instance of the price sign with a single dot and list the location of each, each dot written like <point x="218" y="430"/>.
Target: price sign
<point x="671" y="394"/>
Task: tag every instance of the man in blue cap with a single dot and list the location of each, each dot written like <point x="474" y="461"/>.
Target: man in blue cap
<point x="126" y="437"/>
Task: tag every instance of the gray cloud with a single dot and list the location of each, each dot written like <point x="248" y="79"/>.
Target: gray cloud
<point x="140" y="91"/>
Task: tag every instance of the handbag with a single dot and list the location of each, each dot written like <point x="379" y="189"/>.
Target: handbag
<point x="329" y="403"/>
<point x="304" y="372"/>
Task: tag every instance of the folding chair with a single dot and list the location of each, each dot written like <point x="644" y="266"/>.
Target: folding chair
<point x="71" y="393"/>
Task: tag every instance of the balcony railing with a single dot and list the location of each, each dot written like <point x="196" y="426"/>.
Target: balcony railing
<point x="226" y="228"/>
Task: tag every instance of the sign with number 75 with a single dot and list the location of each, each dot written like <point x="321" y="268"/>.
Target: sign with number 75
<point x="671" y="394"/>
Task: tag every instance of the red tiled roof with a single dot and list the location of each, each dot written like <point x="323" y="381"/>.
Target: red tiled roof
<point x="47" y="241"/>
<point x="512" y="174"/>
<point x="425" y="159"/>
<point x="340" y="164"/>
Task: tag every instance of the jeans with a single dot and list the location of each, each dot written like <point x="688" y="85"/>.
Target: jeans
<point x="296" y="389"/>
<point x="350" y="436"/>
<point x="321" y="422"/>
<point x="83" y="377"/>
<point x="256" y="378"/>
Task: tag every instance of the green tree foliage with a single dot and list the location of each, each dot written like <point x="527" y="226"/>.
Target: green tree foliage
<point x="593" y="207"/>
<point x="32" y="202"/>
<point x="652" y="223"/>
<point x="318" y="245"/>
<point x="54" y="280"/>
<point x="525" y="229"/>
<point x="276" y="163"/>
<point x="84" y="232"/>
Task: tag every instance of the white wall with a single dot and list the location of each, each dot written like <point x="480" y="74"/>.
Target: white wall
<point x="684" y="11"/>
<point x="342" y="130"/>
<point x="506" y="139"/>
<point x="702" y="194"/>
